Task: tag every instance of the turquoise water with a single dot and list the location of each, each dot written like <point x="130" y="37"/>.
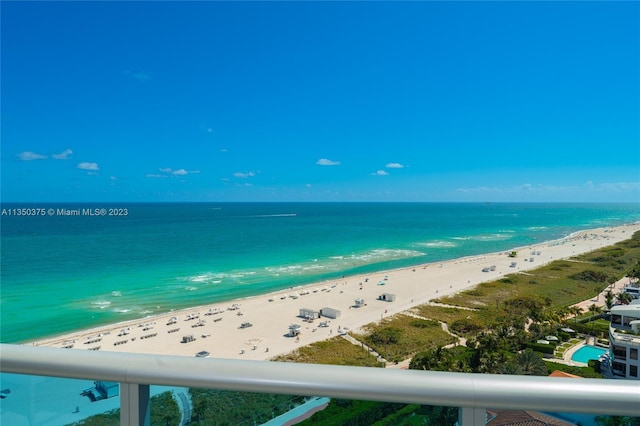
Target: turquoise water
<point x="63" y="273"/>
<point x="585" y="353"/>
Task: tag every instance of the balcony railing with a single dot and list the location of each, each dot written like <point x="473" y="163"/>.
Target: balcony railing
<point x="473" y="393"/>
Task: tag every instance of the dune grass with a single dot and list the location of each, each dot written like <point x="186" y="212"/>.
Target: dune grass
<point x="334" y="351"/>
<point x="562" y="282"/>
<point x="398" y="337"/>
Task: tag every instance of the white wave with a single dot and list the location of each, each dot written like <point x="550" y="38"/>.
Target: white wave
<point x="382" y="255"/>
<point x="200" y="278"/>
<point x="486" y="237"/>
<point x="207" y="278"/>
<point x="537" y="228"/>
<point x="492" y="237"/>
<point x="215" y="277"/>
<point x="284" y="269"/>
<point x="191" y="288"/>
<point x="438" y="244"/>
<point x="101" y="304"/>
<point x="121" y="310"/>
<point x="116" y="293"/>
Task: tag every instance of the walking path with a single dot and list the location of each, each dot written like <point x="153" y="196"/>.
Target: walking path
<point x="599" y="300"/>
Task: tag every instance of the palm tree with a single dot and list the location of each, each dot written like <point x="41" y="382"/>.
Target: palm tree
<point x="510" y="368"/>
<point x="634" y="274"/>
<point x="608" y="299"/>
<point x="575" y="311"/>
<point x="593" y="310"/>
<point x="531" y="363"/>
<point x="624" y="297"/>
<point x="562" y="313"/>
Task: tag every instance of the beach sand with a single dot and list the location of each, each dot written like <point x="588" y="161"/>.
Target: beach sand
<point x="270" y="315"/>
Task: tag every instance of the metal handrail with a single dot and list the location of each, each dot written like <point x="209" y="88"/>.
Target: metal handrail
<point x="614" y="397"/>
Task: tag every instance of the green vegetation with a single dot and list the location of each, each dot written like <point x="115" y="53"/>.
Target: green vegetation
<point x="564" y="282"/>
<point x="217" y="407"/>
<point x="335" y="351"/>
<point x="587" y="372"/>
<point x="164" y="411"/>
<point x="441" y="313"/>
<point x="342" y="412"/>
<point x="400" y="336"/>
<point x="110" y="418"/>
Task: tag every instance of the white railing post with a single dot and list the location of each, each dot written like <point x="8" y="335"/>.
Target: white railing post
<point x="469" y="416"/>
<point x="134" y="405"/>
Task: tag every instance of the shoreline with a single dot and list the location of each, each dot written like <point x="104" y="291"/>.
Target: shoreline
<point x="217" y="327"/>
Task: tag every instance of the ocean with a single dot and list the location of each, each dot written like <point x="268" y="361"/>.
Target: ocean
<point x="66" y="267"/>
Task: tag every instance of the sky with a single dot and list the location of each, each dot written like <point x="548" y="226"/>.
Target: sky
<point x="320" y="101"/>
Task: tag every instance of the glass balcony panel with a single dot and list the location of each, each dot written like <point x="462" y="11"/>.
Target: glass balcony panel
<point x="38" y="400"/>
<point x="175" y="406"/>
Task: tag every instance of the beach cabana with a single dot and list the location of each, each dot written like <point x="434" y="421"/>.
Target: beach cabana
<point x="359" y="303"/>
<point x="308" y="313"/>
<point x="330" y="313"/>
<point x="387" y="297"/>
<point x="294" y="330"/>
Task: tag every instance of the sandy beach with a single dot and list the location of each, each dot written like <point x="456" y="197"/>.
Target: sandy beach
<point x="218" y="328"/>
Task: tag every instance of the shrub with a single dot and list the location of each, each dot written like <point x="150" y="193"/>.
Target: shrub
<point x="595" y="364"/>
<point x="590" y="276"/>
<point x="466" y="326"/>
<point x="541" y="347"/>
<point x="421" y="323"/>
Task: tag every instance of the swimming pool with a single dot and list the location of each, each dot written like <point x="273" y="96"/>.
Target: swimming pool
<point x="587" y="352"/>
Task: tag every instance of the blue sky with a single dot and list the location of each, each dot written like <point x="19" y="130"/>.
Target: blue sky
<point x="320" y="101"/>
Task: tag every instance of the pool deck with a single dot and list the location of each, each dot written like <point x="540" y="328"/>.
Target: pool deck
<point x="566" y="359"/>
<point x="569" y="353"/>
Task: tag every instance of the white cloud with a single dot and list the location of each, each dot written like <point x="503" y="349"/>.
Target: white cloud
<point x="88" y="166"/>
<point x="64" y="155"/>
<point x="29" y="156"/>
<point x="209" y="130"/>
<point x="327" y="162"/>
<point x="155" y="175"/>
<point x="395" y="166"/>
<point x="244" y="175"/>
<point x="380" y="173"/>
<point x="113" y="178"/>
<point x="617" y="186"/>
<point x="177" y="172"/>
<point x="308" y="185"/>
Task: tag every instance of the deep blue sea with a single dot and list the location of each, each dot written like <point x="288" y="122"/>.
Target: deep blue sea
<point x="61" y="273"/>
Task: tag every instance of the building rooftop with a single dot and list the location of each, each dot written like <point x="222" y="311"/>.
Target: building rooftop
<point x="632" y="310"/>
<point x="558" y="373"/>
<point x="522" y="418"/>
